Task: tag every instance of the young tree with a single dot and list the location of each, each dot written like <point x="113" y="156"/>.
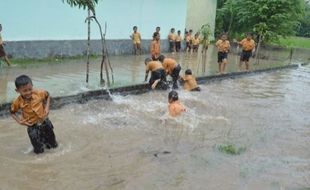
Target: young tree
<point x="90" y="6"/>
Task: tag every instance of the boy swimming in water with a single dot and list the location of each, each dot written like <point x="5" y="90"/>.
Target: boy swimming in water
<point x="190" y="82"/>
<point x="175" y="107"/>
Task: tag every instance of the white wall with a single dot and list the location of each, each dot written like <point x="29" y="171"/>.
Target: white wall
<point x="54" y="20"/>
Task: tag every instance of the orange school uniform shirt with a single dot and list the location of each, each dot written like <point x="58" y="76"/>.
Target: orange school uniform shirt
<point x="172" y="37"/>
<point x="247" y="45"/>
<point x="153" y="66"/>
<point x="189" y="82"/>
<point x="33" y="109"/>
<point x="223" y="46"/>
<point x="195" y="41"/>
<point x="136" y="38"/>
<point x="169" y="64"/>
<point x="178" y="38"/>
<point x="155" y="48"/>
<point x="176" y="108"/>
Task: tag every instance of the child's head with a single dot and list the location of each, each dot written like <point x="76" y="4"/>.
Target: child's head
<point x="188" y="72"/>
<point x="172" y="30"/>
<point x="161" y="58"/>
<point x="179" y="32"/>
<point x="190" y="31"/>
<point x="173" y="96"/>
<point x="157" y="29"/>
<point x="156" y="36"/>
<point x="186" y="33"/>
<point x="0" y="27"/>
<point x="224" y="36"/>
<point x="147" y="60"/>
<point x="197" y="34"/>
<point x="23" y="85"/>
<point x="135" y="28"/>
<point x="249" y="36"/>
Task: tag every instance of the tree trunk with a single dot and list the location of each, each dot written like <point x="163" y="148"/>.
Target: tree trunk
<point x="88" y="46"/>
<point x="258" y="48"/>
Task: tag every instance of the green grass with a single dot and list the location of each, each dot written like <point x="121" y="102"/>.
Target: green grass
<point x="293" y="42"/>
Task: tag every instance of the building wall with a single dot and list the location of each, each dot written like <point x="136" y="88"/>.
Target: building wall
<point x="44" y="28"/>
<point x="200" y="12"/>
<point x="55" y="20"/>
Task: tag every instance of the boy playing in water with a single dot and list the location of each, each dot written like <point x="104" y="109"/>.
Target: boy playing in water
<point x="190" y="82"/>
<point x="155" y="46"/>
<point x="172" y="68"/>
<point x="175" y="107"/>
<point x="2" y="52"/>
<point x="223" y="47"/>
<point x="158" y="75"/>
<point x="34" y="107"/>
<point x="136" y="40"/>
<point x="248" y="45"/>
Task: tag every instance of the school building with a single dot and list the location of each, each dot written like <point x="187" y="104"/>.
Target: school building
<point x="42" y="28"/>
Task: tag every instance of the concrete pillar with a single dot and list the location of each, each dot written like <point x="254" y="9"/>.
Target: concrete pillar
<point x="200" y="12"/>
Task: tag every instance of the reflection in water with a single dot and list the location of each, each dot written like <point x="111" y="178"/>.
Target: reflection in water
<point x="68" y="77"/>
<point x="130" y="142"/>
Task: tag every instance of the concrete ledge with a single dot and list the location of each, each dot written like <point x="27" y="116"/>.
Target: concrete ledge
<point x="70" y="48"/>
<point x="81" y="98"/>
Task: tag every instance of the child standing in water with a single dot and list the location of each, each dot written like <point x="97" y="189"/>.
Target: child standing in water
<point x="136" y="40"/>
<point x="196" y="42"/>
<point x="248" y="45"/>
<point x="190" y="82"/>
<point x="172" y="68"/>
<point x="172" y="38"/>
<point x="34" y="106"/>
<point x="223" y="47"/>
<point x="158" y="75"/>
<point x="175" y="107"/>
<point x="155" y="46"/>
<point x="178" y="40"/>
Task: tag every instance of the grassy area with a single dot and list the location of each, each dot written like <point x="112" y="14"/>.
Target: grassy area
<point x="294" y="42"/>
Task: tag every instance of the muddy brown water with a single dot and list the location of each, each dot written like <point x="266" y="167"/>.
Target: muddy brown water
<point x="130" y="143"/>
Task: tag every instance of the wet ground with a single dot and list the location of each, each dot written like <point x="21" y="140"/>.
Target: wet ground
<point x="130" y="143"/>
<point x="68" y="77"/>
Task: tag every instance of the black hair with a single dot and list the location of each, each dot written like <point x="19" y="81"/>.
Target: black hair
<point x="173" y="95"/>
<point x="172" y="29"/>
<point x="161" y="58"/>
<point x="179" y="31"/>
<point x="155" y="34"/>
<point x="22" y="80"/>
<point x="147" y="60"/>
<point x="190" y="30"/>
<point x="134" y="27"/>
<point x="249" y="34"/>
<point x="188" y="72"/>
<point x="158" y="27"/>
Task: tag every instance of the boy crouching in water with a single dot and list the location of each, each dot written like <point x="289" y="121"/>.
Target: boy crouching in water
<point x="158" y="75"/>
<point x="34" y="106"/>
<point x="190" y="82"/>
<point x="175" y="107"/>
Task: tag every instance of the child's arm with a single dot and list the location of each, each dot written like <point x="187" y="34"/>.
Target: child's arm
<point x="47" y="105"/>
<point x="21" y="121"/>
<point x="146" y="75"/>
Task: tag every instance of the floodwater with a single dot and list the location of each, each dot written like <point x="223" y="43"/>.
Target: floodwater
<point x="130" y="143"/>
<point x="68" y="77"/>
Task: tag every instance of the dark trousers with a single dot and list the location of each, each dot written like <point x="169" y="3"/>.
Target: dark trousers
<point x="175" y="76"/>
<point x="177" y="46"/>
<point x="42" y="135"/>
<point x="159" y="74"/>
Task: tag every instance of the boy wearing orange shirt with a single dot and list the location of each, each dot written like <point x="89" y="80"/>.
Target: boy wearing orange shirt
<point x="158" y="75"/>
<point x="190" y="83"/>
<point x="136" y="40"/>
<point x="178" y="41"/>
<point x="223" y="47"/>
<point x="175" y="107"/>
<point x="34" y="106"/>
<point x="196" y="42"/>
<point x="248" y="45"/>
<point x="172" y="38"/>
<point x="172" y="68"/>
<point x="155" y="46"/>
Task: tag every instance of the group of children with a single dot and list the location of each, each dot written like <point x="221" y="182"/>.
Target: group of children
<point x="223" y="46"/>
<point x="175" y="41"/>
